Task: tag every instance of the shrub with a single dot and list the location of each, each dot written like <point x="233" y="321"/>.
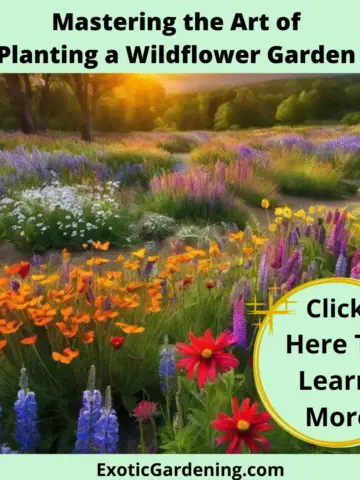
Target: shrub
<point x="198" y="195"/>
<point x="156" y="226"/>
<point x="351" y="118"/>
<point x="63" y="216"/>
<point x="178" y="144"/>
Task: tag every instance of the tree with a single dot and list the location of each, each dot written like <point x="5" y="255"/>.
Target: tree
<point x="19" y="90"/>
<point x="222" y="120"/>
<point x="88" y="89"/>
<point x="290" y="110"/>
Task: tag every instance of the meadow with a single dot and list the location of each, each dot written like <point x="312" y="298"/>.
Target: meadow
<point x="128" y="266"/>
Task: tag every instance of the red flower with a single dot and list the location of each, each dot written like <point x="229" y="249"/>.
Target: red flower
<point x="21" y="269"/>
<point x="206" y="356"/>
<point x="243" y="428"/>
<point x="117" y="342"/>
<point x="144" y="411"/>
<point x="210" y="284"/>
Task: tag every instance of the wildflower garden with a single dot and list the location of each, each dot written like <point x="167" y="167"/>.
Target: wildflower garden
<point x="126" y="322"/>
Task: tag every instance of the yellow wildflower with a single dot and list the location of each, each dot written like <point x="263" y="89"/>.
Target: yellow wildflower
<point x="265" y="203"/>
<point x="272" y="227"/>
<point x="300" y="213"/>
<point x="287" y="212"/>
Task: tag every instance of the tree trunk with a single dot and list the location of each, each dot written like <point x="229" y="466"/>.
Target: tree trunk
<point x="81" y="82"/>
<point x="44" y="102"/>
<point x="86" y="127"/>
<point x="21" y="103"/>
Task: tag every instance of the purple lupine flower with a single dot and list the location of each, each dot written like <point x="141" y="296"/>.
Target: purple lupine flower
<point x="26" y="430"/>
<point x="328" y="217"/>
<point x="65" y="274"/>
<point x="336" y="216"/>
<point x="263" y="275"/>
<point x="280" y="255"/>
<point x="290" y="282"/>
<point x="293" y="264"/>
<point x="248" y="264"/>
<point x="14" y="285"/>
<point x="331" y="239"/>
<point x="293" y="142"/>
<point x="341" y="263"/>
<point x="311" y="270"/>
<point x="320" y="234"/>
<point x="88" y="416"/>
<point x="355" y="272"/>
<point x="240" y="288"/>
<point x="106" y="430"/>
<point x="341" y="266"/>
<point x="239" y="323"/>
<point x="167" y="369"/>
<point x="293" y="238"/>
<point x="36" y="260"/>
<point x="308" y="230"/>
<point x="356" y="258"/>
<point x="107" y="304"/>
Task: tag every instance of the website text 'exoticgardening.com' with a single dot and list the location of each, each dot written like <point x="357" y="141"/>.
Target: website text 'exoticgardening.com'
<point x="235" y="472"/>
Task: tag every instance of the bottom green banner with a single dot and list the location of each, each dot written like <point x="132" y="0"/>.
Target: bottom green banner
<point x="235" y="467"/>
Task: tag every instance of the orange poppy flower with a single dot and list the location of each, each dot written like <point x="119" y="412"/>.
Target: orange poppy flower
<point x="88" y="337"/>
<point x="129" y="328"/>
<point x="35" y="301"/>
<point x="101" y="246"/>
<point x="104" y="315"/>
<point x="131" y="287"/>
<point x="3" y="344"/>
<point x="21" y="269"/>
<point x="234" y="237"/>
<point x="248" y="251"/>
<point x="7" y="328"/>
<point x="132" y="265"/>
<point x="69" y="331"/>
<point x="29" y="340"/>
<point x="85" y="246"/>
<point x="194" y="252"/>
<point x="153" y="259"/>
<point x="66" y="357"/>
<point x="42" y="316"/>
<point x="120" y="258"/>
<point x="224" y="267"/>
<point x="214" y="250"/>
<point x="81" y="318"/>
<point x="66" y="312"/>
<point x="113" y="275"/>
<point x="97" y="261"/>
<point x="154" y="308"/>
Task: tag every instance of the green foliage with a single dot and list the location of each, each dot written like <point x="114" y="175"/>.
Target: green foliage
<point x="351" y="118"/>
<point x="58" y="217"/>
<point x="196" y="210"/>
<point x="177" y="144"/>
